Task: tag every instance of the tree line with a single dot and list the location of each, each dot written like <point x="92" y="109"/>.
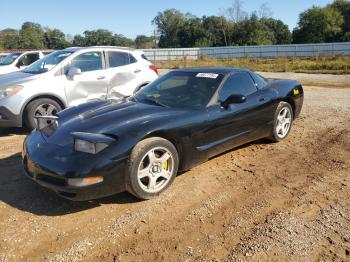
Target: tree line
<point x="233" y="26"/>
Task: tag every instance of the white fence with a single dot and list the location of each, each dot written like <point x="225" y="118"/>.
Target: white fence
<point x="304" y="50"/>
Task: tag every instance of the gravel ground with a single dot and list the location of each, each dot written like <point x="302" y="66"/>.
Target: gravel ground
<point x="262" y="202"/>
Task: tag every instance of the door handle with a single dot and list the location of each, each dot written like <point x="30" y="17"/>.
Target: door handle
<point x="137" y="71"/>
<point x="101" y="77"/>
<point x="262" y="99"/>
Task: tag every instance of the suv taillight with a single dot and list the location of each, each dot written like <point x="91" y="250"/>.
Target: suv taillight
<point x="154" y="68"/>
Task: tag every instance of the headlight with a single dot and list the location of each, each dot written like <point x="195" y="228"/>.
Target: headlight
<point x="10" y="91"/>
<point x="89" y="147"/>
<point x="91" y="143"/>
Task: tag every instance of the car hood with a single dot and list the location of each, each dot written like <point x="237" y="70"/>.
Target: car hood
<point x="15" y="78"/>
<point x="111" y="118"/>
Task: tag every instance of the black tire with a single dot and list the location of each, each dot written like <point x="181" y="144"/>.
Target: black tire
<point x="274" y="136"/>
<point x="31" y="108"/>
<point x="138" y="154"/>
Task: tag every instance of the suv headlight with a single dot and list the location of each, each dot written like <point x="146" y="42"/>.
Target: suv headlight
<point x="10" y="91"/>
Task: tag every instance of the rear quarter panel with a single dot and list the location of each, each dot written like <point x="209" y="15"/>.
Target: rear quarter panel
<point x="289" y="91"/>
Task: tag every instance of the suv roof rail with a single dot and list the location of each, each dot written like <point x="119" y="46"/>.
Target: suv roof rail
<point x="112" y="46"/>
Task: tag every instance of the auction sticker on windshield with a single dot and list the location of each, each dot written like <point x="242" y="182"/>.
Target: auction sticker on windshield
<point x="207" y="75"/>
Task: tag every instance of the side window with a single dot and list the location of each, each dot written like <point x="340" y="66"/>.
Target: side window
<point x="238" y="84"/>
<point x="117" y="59"/>
<point x="259" y="80"/>
<point x="28" y="59"/>
<point x="132" y="59"/>
<point x="86" y="62"/>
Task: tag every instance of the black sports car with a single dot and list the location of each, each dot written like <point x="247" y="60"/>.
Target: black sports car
<point x="140" y="143"/>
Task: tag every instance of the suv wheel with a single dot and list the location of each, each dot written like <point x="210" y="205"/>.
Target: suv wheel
<point x="40" y="107"/>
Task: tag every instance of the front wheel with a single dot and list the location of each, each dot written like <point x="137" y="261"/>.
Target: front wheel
<point x="283" y="121"/>
<point x="40" y="107"/>
<point x="152" y="167"/>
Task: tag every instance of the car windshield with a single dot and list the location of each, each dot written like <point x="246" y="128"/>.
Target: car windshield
<point x="181" y="89"/>
<point x="9" y="59"/>
<point x="48" y="62"/>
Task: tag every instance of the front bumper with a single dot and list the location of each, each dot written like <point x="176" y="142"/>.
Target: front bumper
<point x="9" y="119"/>
<point x="54" y="173"/>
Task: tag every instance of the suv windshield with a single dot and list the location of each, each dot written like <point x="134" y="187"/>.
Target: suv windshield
<point x="181" y="89"/>
<point x="48" y="62"/>
<point x="9" y="59"/>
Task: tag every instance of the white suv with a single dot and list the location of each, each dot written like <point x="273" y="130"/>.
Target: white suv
<point x="71" y="77"/>
<point x="19" y="60"/>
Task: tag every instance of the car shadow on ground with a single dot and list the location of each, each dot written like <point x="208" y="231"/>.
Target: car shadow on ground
<point x="13" y="131"/>
<point x="20" y="192"/>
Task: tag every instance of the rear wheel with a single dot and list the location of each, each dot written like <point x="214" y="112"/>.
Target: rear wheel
<point x="40" y="107"/>
<point x="153" y="166"/>
<point x="283" y="122"/>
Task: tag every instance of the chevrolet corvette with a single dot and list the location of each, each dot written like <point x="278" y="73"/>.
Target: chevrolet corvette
<point x="140" y="143"/>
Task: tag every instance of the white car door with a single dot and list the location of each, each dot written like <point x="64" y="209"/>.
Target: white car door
<point x="123" y="73"/>
<point x="91" y="84"/>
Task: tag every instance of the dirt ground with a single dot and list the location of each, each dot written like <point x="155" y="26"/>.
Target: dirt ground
<point x="262" y="202"/>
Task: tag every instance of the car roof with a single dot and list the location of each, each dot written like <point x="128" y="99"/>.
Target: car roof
<point x="215" y="70"/>
<point x="75" y="49"/>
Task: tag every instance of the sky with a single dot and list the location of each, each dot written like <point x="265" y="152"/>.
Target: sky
<point x="130" y="17"/>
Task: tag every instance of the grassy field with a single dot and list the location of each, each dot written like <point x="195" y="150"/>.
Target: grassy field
<point x="315" y="65"/>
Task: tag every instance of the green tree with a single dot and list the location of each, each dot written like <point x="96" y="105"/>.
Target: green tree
<point x="343" y="7"/>
<point x="281" y="32"/>
<point x="144" y="42"/>
<point x="219" y="30"/>
<point x="319" y="25"/>
<point x="169" y="24"/>
<point x="193" y="34"/>
<point x="252" y="32"/>
<point x="99" y="37"/>
<point x="55" y="39"/>
<point x="79" y="40"/>
<point x="9" y="39"/>
<point x="31" y="35"/>
<point x="120" y="40"/>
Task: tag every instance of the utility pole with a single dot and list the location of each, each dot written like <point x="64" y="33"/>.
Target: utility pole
<point x="155" y="38"/>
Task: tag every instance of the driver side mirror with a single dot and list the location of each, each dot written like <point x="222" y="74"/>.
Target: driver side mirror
<point x="233" y="99"/>
<point x="74" y="71"/>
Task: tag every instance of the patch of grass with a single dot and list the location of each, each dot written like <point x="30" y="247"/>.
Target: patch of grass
<point x="315" y="65"/>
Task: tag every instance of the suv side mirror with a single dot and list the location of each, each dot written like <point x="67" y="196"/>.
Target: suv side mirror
<point x="74" y="71"/>
<point x="233" y="99"/>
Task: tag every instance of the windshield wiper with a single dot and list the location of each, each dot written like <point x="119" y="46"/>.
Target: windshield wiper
<point x="151" y="101"/>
